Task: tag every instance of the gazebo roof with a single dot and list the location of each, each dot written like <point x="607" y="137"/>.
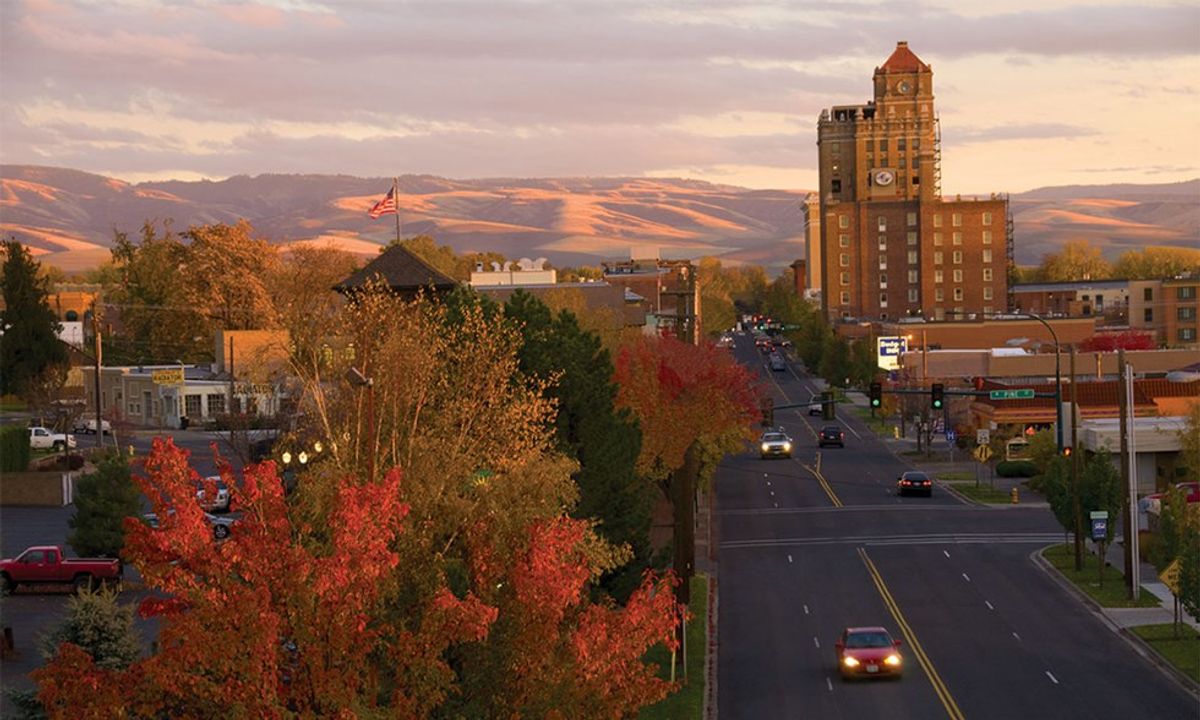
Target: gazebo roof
<point x="402" y="271"/>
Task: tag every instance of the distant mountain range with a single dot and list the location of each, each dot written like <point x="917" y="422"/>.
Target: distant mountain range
<point x="68" y="217"/>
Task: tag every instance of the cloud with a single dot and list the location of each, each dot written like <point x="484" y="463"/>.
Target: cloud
<point x="1028" y="131"/>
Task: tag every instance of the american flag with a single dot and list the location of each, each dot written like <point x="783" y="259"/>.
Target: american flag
<point x="386" y="206"/>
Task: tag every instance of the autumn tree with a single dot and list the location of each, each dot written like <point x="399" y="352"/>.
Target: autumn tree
<point x="227" y="270"/>
<point x="1078" y="260"/>
<point x="30" y="351"/>
<point x="1155" y="263"/>
<point x="1126" y="340"/>
<point x="301" y="288"/>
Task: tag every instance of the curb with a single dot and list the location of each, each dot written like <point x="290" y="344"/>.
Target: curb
<point x="1136" y="643"/>
<point x="709" y="710"/>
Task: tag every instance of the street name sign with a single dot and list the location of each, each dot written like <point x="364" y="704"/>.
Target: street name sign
<point x="1022" y="394"/>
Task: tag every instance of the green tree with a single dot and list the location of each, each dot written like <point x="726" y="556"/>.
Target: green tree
<point x="29" y="346"/>
<point x="1078" y="260"/>
<point x="1056" y="485"/>
<point x="1100" y="486"/>
<point x="103" y="500"/>
<point x="814" y="336"/>
<point x="1189" y="441"/>
<point x="1172" y="529"/>
<point x="1043" y="449"/>
<point x="1153" y="263"/>
<point x="864" y="365"/>
<point x="1189" y="567"/>
<point x="604" y="440"/>
<point x="835" y="361"/>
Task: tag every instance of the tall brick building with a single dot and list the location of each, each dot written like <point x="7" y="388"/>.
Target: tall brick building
<point x="891" y="246"/>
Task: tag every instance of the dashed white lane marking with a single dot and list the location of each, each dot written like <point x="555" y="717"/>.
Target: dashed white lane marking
<point x="829" y="684"/>
<point x="965" y="577"/>
<point x="805" y="609"/>
<point x="818" y="642"/>
<point x="768" y="483"/>
<point x="985" y="602"/>
<point x="1018" y="637"/>
<point x="765" y="475"/>
<point x="946" y="553"/>
<point x="776" y="504"/>
<point x="772" y="493"/>
<point x="789" y="558"/>
<point x="1052" y="678"/>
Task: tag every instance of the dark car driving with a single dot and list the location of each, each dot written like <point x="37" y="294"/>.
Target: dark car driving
<point x="915" y="481"/>
<point x="831" y="435"/>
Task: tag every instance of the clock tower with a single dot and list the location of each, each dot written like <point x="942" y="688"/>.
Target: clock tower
<point x="889" y="243"/>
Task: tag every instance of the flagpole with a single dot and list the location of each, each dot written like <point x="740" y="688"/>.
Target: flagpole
<point x="396" y="200"/>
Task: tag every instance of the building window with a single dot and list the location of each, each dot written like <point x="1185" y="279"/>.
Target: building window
<point x="939" y="294"/>
<point x="882" y="223"/>
<point x="1185" y="313"/>
<point x="987" y="293"/>
<point x="937" y="238"/>
<point x="882" y="280"/>
<point x="1148" y="315"/>
<point x="883" y="242"/>
<point x="191" y="406"/>
<point x="843" y="221"/>
<point x="987" y="309"/>
<point x="1185" y="293"/>
<point x="987" y="218"/>
<point x="958" y="257"/>
<point x="1148" y="294"/>
<point x="912" y="219"/>
<point x="937" y="258"/>
<point x="135" y="408"/>
<point x="958" y="294"/>
<point x="958" y="276"/>
<point x="844" y="240"/>
<point x="987" y="237"/>
<point x="882" y="299"/>
<point x="845" y="298"/>
<point x="844" y="260"/>
<point x="987" y="274"/>
<point x="835" y="148"/>
<point x="901" y="143"/>
<point x="902" y="164"/>
<point x="937" y="220"/>
<point x="1186" y="335"/>
<point x="987" y="256"/>
<point x="835" y="185"/>
<point x="912" y="257"/>
<point x="845" y="278"/>
<point x="883" y="145"/>
<point x="957" y="238"/>
<point x="912" y="295"/>
<point x="939" y="276"/>
<point x="216" y="405"/>
<point x="912" y="277"/>
<point x="912" y="237"/>
<point x="956" y="219"/>
<point x="883" y="262"/>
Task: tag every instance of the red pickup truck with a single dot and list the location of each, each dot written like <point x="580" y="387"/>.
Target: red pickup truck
<point x="44" y="564"/>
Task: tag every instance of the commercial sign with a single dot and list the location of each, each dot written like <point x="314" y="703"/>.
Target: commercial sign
<point x="1099" y="520"/>
<point x="173" y="376"/>
<point x="889" y="351"/>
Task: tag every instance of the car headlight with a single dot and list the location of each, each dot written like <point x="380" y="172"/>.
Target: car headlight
<point x="892" y="660"/>
<point x="787" y="446"/>
<point x="849" y="661"/>
<point x="765" y="447"/>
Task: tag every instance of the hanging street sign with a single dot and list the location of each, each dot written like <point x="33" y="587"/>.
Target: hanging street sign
<point x="1021" y="394"/>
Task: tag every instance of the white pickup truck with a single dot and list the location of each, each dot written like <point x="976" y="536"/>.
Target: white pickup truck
<point x="88" y="425"/>
<point x="42" y="439"/>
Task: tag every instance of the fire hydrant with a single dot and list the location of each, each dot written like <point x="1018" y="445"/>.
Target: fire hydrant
<point x="1015" y="497"/>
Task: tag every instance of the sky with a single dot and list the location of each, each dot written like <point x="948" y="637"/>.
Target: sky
<point x="1031" y="93"/>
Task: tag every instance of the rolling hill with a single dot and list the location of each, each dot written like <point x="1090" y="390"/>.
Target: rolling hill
<point x="69" y="217"/>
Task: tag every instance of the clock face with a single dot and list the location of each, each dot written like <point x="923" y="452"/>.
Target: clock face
<point x="904" y="87"/>
<point x="884" y="177"/>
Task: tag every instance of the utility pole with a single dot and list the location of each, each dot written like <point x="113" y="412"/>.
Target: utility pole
<point x="96" y="339"/>
<point x="1075" y="500"/>
<point x="1122" y="408"/>
<point x="229" y="409"/>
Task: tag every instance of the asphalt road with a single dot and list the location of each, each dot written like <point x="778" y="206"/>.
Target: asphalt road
<point x="810" y="545"/>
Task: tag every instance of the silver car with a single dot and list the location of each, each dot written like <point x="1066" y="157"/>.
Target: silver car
<point x="222" y="525"/>
<point x="775" y="443"/>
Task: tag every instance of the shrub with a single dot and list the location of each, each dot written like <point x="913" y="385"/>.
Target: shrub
<point x="103" y="500"/>
<point x="1016" y="468"/>
<point x="14" y="449"/>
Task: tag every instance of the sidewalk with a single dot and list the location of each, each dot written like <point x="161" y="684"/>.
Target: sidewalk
<point x="1114" y="556"/>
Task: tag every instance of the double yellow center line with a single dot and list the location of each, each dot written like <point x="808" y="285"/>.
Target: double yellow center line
<point x="910" y="637"/>
<point x="816" y="471"/>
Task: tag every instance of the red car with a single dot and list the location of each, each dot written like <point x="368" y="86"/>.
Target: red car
<point x="868" y="652"/>
<point x="45" y="564"/>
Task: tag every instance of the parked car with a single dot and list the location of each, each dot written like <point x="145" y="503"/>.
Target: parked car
<point x="222" y="525"/>
<point x="220" y="499"/>
<point x="831" y="435"/>
<point x="778" y="364"/>
<point x="88" y="426"/>
<point x="914" y="481"/>
<point x="775" y="443"/>
<point x="868" y="652"/>
<point x="1153" y="503"/>
<point x="46" y="564"/>
<point x="42" y="439"/>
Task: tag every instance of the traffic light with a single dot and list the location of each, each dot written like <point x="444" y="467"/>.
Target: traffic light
<point x="876" y="395"/>
<point x="937" y="396"/>
<point x="1066" y="452"/>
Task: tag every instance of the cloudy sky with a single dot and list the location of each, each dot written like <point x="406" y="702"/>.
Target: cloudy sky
<point x="1030" y="92"/>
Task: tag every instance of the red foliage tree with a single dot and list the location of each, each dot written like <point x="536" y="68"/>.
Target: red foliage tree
<point x="1127" y="340"/>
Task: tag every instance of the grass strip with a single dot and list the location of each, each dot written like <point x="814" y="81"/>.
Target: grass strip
<point x="1111" y="593"/>
<point x="688" y="701"/>
<point x="1182" y="652"/>
<point x="984" y="493"/>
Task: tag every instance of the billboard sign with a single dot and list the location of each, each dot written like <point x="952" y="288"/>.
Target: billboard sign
<point x="889" y="351"/>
